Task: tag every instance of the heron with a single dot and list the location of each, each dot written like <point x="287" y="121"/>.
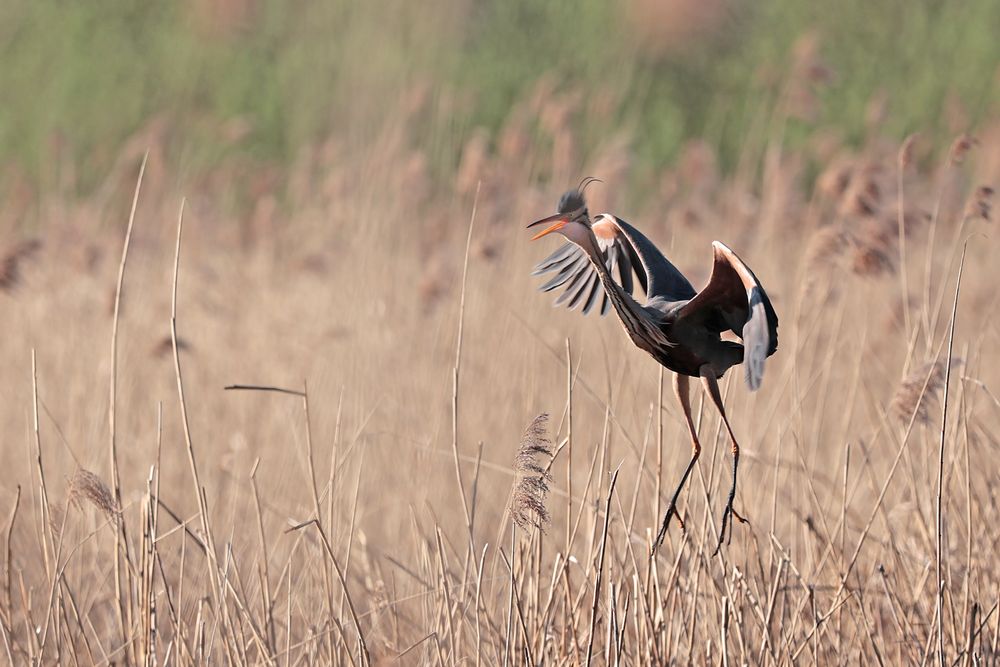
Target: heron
<point x="679" y="327"/>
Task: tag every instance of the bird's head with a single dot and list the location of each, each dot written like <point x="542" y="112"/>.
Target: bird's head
<point x="573" y="219"/>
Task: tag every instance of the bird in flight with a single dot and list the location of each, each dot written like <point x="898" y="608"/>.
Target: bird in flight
<point x="679" y="327"/>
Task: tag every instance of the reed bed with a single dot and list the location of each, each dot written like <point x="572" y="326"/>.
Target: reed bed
<point x="365" y="491"/>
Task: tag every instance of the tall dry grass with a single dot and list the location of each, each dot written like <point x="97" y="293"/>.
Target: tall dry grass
<point x="350" y="504"/>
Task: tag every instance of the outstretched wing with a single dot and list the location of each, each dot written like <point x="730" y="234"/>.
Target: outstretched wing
<point x="665" y="282"/>
<point x="578" y="278"/>
<point x="734" y="300"/>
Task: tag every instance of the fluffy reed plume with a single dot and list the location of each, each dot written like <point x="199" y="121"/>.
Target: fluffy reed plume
<point x="824" y="250"/>
<point x="873" y="244"/>
<point x="527" y="505"/>
<point x="906" y="151"/>
<point x="871" y="260"/>
<point x="863" y="194"/>
<point x="980" y="204"/>
<point x="85" y="485"/>
<point x="11" y="262"/>
<point x="912" y="397"/>
<point x="474" y="162"/>
<point x="833" y="181"/>
<point x="825" y="245"/>
<point x="960" y="147"/>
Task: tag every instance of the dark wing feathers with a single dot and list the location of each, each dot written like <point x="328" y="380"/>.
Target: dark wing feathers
<point x="629" y="256"/>
<point x="577" y="277"/>
<point x="565" y="270"/>
<point x="657" y="276"/>
<point x="734" y="300"/>
<point x="554" y="260"/>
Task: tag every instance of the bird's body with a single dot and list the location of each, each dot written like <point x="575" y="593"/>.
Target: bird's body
<point x="679" y="327"/>
<point x="691" y="323"/>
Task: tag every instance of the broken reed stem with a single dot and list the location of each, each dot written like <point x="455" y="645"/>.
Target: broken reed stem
<point x="600" y="567"/>
<point x="940" y="478"/>
<point x="365" y="655"/>
<point x="327" y="583"/>
<point x="121" y="538"/>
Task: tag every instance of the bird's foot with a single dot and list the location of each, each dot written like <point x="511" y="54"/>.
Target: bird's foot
<point x="726" y="513"/>
<point x="671" y="512"/>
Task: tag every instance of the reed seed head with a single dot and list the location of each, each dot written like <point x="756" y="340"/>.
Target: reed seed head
<point x="86" y="486"/>
<point x="527" y="506"/>
<point x="919" y="391"/>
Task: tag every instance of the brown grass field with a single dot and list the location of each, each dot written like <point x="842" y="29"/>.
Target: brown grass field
<point x="363" y="517"/>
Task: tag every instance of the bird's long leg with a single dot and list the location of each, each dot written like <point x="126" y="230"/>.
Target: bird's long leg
<point x="711" y="383"/>
<point x="683" y="393"/>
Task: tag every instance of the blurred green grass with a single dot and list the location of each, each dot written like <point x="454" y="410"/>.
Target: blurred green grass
<point x="91" y="74"/>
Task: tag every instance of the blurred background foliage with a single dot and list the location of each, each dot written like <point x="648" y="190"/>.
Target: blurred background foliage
<point x="257" y="80"/>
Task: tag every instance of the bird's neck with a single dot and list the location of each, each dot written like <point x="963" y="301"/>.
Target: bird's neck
<point x="631" y="314"/>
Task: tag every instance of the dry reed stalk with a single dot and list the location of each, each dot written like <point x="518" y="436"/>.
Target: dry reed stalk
<point x="957" y="153"/>
<point x="905" y="159"/>
<point x="46" y="528"/>
<point x="456" y="376"/>
<point x="9" y="563"/>
<point x="878" y="504"/>
<point x="327" y="584"/>
<point x="121" y="538"/>
<point x="520" y="611"/>
<point x="478" y="603"/>
<point x="940" y="476"/>
<point x="263" y="572"/>
<point x="206" y="528"/>
<point x="600" y="566"/>
<point x="52" y="590"/>
<point x="446" y="595"/>
<point x="363" y="645"/>
<point x="569" y="445"/>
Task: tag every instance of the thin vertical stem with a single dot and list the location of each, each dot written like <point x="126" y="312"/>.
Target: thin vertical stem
<point x="569" y="445"/>
<point x="121" y="540"/>
<point x="455" y="379"/>
<point x="940" y="479"/>
<point x="600" y="569"/>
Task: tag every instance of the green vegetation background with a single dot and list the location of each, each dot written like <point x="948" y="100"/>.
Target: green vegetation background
<point x="92" y="73"/>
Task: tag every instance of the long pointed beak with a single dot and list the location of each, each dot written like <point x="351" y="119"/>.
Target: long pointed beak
<point x="557" y="221"/>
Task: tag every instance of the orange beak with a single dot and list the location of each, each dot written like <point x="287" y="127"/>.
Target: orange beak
<point x="558" y="221"/>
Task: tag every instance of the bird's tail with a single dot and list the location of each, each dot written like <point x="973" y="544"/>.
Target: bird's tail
<point x="756" y="339"/>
